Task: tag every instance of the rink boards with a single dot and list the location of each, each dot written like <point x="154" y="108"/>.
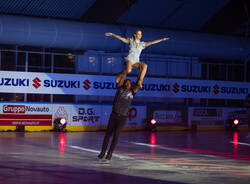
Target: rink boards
<point x="94" y="117"/>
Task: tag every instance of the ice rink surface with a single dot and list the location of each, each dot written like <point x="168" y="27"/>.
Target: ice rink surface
<point x="140" y="158"/>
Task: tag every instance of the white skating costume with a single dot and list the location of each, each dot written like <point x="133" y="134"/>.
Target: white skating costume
<point x="134" y="52"/>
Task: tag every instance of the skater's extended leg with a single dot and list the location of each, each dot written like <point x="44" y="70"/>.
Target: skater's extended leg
<point x="110" y="129"/>
<point x="117" y="131"/>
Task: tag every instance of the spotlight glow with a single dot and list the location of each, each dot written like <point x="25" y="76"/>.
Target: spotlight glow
<point x="236" y="122"/>
<point x="63" y="121"/>
<point x="153" y="121"/>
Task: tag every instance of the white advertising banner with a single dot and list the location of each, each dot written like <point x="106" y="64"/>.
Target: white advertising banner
<point x="96" y="115"/>
<point x="63" y="111"/>
<point x="211" y="115"/>
<point x="50" y="83"/>
<point x="136" y="116"/>
<point x="86" y="115"/>
<point x="168" y="116"/>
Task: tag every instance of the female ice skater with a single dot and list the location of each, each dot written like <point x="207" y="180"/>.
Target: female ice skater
<point x="132" y="60"/>
<point x="123" y="99"/>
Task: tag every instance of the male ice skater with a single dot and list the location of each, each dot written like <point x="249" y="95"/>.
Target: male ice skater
<point x="247" y="104"/>
<point x="123" y="99"/>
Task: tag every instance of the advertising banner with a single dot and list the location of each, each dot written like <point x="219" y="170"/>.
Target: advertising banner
<point x="29" y="114"/>
<point x="170" y="116"/>
<point x="25" y="114"/>
<point x="62" y="111"/>
<point x="51" y="83"/>
<point x="86" y="115"/>
<point x="136" y="116"/>
<point x="214" y="116"/>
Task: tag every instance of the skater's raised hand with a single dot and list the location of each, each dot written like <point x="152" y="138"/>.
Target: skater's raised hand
<point x="164" y="39"/>
<point x="135" y="87"/>
<point x="108" y="34"/>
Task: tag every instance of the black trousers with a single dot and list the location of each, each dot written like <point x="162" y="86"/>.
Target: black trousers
<point x="116" y="122"/>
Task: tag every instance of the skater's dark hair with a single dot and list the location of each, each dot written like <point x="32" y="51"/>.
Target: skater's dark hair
<point x="137" y="30"/>
<point x="126" y="81"/>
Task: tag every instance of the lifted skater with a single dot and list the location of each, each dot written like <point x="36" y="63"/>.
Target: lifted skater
<point x="133" y="58"/>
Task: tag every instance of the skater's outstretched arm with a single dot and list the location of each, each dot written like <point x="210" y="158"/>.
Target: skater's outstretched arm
<point x="155" y="41"/>
<point x="118" y="37"/>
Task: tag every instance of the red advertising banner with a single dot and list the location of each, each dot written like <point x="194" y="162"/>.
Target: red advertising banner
<point x="16" y="109"/>
<point x="25" y="119"/>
